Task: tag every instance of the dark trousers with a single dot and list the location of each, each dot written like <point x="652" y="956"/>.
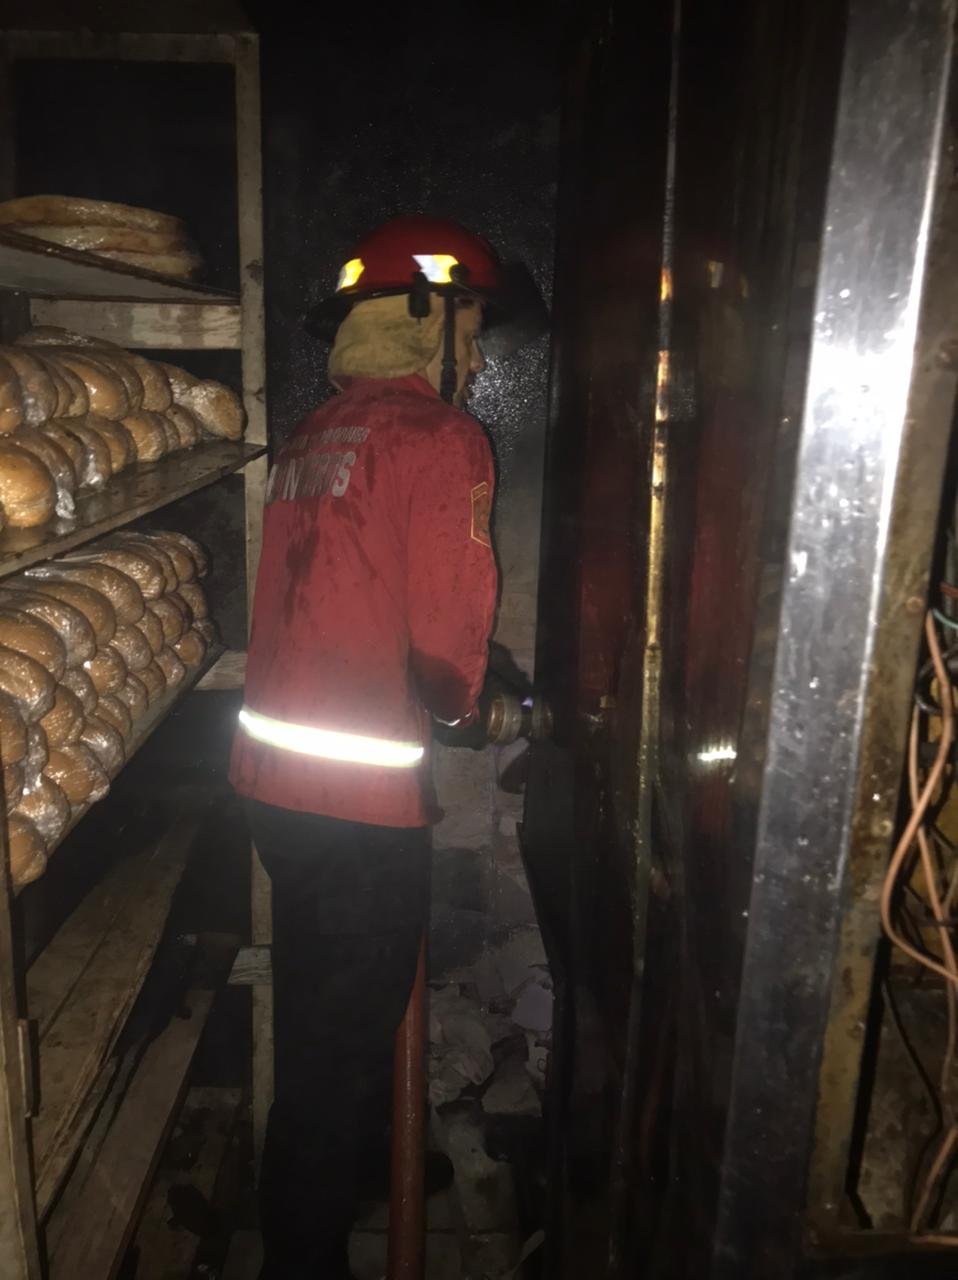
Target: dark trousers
<point x="349" y="907"/>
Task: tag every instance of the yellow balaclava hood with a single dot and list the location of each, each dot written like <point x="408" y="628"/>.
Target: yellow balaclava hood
<point x="380" y="339"/>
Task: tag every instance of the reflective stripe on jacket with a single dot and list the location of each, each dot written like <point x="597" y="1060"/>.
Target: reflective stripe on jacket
<point x="373" y="607"/>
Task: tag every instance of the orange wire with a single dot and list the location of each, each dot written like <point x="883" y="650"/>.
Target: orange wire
<point x="934" y="1173"/>
<point x="919" y="810"/>
<point x="951" y="995"/>
<point x="931" y="880"/>
<point x="920" y="800"/>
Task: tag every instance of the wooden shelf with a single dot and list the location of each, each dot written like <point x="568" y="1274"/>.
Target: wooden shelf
<point x="143" y="488"/>
<point x="100" y="1218"/>
<point x="81" y="988"/>
<point x="37" y="268"/>
<point x="104" y="1111"/>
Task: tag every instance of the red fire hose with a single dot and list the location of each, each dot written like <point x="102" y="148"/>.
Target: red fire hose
<point x="406" y="1201"/>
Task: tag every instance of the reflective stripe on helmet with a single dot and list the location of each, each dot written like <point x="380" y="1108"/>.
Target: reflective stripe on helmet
<point x="327" y="744"/>
<point x="437" y="267"/>
<point x="350" y="273"/>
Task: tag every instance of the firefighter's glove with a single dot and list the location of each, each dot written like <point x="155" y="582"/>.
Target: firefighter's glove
<point x="469" y="732"/>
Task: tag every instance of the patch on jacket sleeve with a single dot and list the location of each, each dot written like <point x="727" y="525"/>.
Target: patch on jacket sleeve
<point x="481" y="513"/>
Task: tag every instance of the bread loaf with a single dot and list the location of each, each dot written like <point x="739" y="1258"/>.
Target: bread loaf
<point x="206" y="629"/>
<point x="94" y="606"/>
<point x="183" y="265"/>
<point x="12" y="786"/>
<point x="157" y="393"/>
<point x="11" y="398"/>
<point x="133" y="647"/>
<point x="13" y="731"/>
<point x="38" y="753"/>
<point x="173" y="442"/>
<point x="192" y="548"/>
<point x="148" y="545"/>
<point x="62" y="387"/>
<point x="35" y="638"/>
<point x="155" y="385"/>
<point x="78" y="681"/>
<point x="107" y="670"/>
<point x="63" y="723"/>
<point x="59" y="464"/>
<point x="186" y="425"/>
<point x="105" y="388"/>
<point x="134" y="696"/>
<point x="218" y="409"/>
<point x="71" y="624"/>
<point x="27" y="490"/>
<point x="171" y="616"/>
<point x="140" y="565"/>
<point x="119" y="589"/>
<point x="77" y="401"/>
<point x="195" y="599"/>
<point x="177" y="601"/>
<point x="105" y="743"/>
<point x="173" y="669"/>
<point x="154" y="679"/>
<point x="72" y="445"/>
<point x="190" y="648"/>
<point x="30" y="686"/>
<point x="149" y="435"/>
<point x="116" y="713"/>
<point x="152" y="629"/>
<point x="48" y="809"/>
<point x="55" y="210"/>
<point x="183" y="564"/>
<point x="92" y="239"/>
<point x="28" y="854"/>
<point x="118" y="440"/>
<point x="96" y="461"/>
<point x="117" y="361"/>
<point x="180" y="381"/>
<point x="38" y="393"/>
<point x="78" y="774"/>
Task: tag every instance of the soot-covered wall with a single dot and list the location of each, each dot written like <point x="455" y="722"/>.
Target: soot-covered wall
<point x="452" y="111"/>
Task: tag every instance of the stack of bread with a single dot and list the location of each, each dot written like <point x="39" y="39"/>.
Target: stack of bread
<point x="120" y="233"/>
<point x="87" y="644"/>
<point x="75" y="411"/>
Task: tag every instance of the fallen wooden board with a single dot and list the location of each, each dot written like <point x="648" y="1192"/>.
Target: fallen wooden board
<point x="78" y="1039"/>
<point x="103" y="1216"/>
<point x="253" y="968"/>
<point x="228" y="672"/>
<point x="54" y="973"/>
<point x="166" y="1248"/>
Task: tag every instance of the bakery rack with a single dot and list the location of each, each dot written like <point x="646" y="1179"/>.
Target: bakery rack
<point x="61" y="1015"/>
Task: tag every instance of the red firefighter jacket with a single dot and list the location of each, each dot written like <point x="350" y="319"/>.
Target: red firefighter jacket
<point x="374" y="602"/>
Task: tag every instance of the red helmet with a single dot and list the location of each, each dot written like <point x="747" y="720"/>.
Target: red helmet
<point x="393" y="257"/>
<point x="418" y="256"/>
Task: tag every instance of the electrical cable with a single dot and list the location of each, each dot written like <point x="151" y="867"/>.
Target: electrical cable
<point x="945" y="620"/>
<point x="918" y="811"/>
<point x="951" y="995"/>
<point x="915" y="828"/>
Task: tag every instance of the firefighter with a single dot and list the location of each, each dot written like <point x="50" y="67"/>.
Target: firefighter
<point x="371" y="619"/>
